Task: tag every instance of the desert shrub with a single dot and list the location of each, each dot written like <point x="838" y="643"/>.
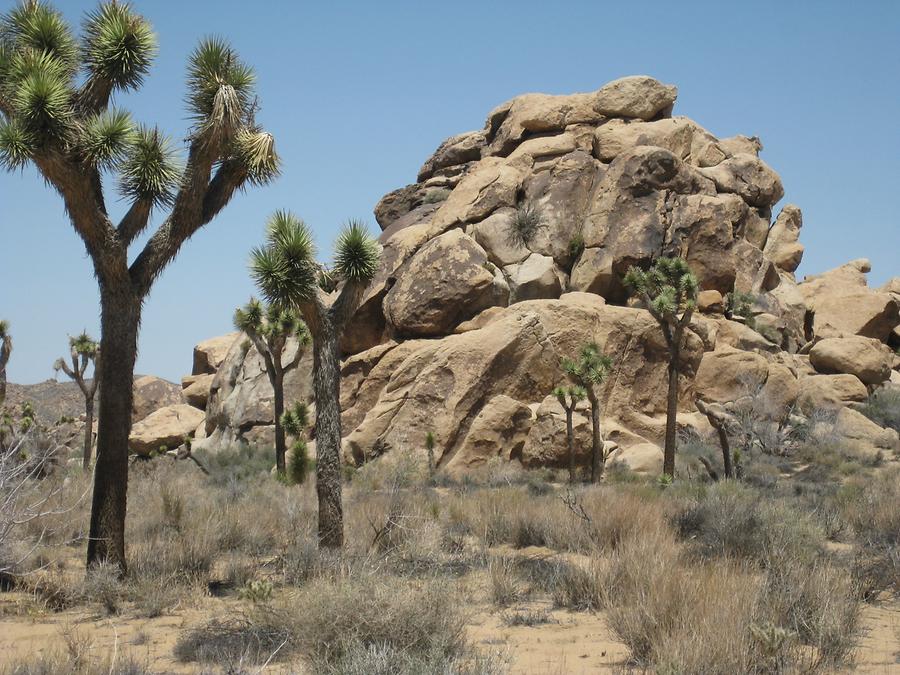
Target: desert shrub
<point x="505" y="586"/>
<point x="818" y="602"/>
<point x="103" y="585"/>
<point x="527" y="617"/>
<point x="525" y="225"/>
<point x="236" y="463"/>
<point x="396" y="470"/>
<point x="252" y="638"/>
<point x="299" y="463"/>
<point x="734" y="520"/>
<point x="573" y="585"/>
<point x="883" y="408"/>
<point x="384" y="659"/>
<point x="153" y="597"/>
<point x="576" y="246"/>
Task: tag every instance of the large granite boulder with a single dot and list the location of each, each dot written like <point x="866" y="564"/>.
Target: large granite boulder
<point x="164" y="429"/>
<point x="150" y="394"/>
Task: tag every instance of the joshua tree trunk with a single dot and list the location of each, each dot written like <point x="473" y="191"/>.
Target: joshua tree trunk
<point x="671" y="413"/>
<point x="570" y="437"/>
<point x="327" y="375"/>
<point x="88" y="432"/>
<point x="598" y="460"/>
<point x="280" y="442"/>
<point x="120" y="315"/>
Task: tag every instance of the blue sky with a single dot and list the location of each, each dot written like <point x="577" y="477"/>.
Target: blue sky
<point x="358" y="95"/>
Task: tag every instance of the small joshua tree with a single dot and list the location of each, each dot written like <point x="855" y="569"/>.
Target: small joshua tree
<point x="588" y="372"/>
<point x="269" y="328"/>
<point x="568" y="398"/>
<point x="6" y="346"/>
<point x="56" y="91"/>
<point x="668" y="290"/>
<point x="286" y="271"/>
<point x="295" y="422"/>
<point x="83" y="351"/>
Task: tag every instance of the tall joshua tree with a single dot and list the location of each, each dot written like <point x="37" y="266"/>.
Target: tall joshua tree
<point x="568" y="398"/>
<point x="588" y="372"/>
<point x="269" y="328"/>
<point x="83" y="351"/>
<point x="668" y="290"/>
<point x="286" y="271"/>
<point x="6" y="346"/>
<point x="55" y="93"/>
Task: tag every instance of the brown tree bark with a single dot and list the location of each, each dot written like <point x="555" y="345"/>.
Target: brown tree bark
<point x="327" y="382"/>
<point x="280" y="441"/>
<point x="671" y="415"/>
<point x="88" y="432"/>
<point x="570" y="437"/>
<point x="120" y="314"/>
<point x="597" y="458"/>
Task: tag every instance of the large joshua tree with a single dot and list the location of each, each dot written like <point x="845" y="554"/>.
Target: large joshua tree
<point x="588" y="372"/>
<point x="6" y="346"/>
<point x="568" y="398"/>
<point x="668" y="290"/>
<point x="55" y="100"/>
<point x="286" y="271"/>
<point x="269" y="328"/>
<point x="83" y="351"/>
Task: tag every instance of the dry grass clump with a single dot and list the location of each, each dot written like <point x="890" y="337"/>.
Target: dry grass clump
<point x="331" y="619"/>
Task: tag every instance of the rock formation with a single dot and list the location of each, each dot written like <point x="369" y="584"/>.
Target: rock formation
<point x="508" y="253"/>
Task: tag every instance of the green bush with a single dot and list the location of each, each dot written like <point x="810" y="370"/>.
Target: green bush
<point x="883" y="408"/>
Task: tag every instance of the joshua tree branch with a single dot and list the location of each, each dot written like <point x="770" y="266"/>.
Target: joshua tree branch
<point x="134" y="222"/>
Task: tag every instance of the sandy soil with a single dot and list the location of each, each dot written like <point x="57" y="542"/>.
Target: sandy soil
<point x="570" y="642"/>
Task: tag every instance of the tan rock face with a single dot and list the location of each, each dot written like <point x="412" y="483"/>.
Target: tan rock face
<point x="195" y="390"/>
<point x="868" y="359"/>
<point x="727" y="374"/>
<point x="830" y="391"/>
<point x="749" y="177"/>
<point x="166" y="427"/>
<point x="782" y="245"/>
<point x="446" y="282"/>
<point x="637" y="96"/>
<point x="209" y="354"/>
<point x="498" y="430"/>
<point x="152" y="393"/>
<point x="845" y="305"/>
<point x="863" y="433"/>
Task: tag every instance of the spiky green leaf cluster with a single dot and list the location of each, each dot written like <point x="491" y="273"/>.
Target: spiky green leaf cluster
<point x="36" y="27"/>
<point x="570" y="394"/>
<point x="84" y="345"/>
<point x="149" y="170"/>
<point x="256" y="152"/>
<point x="4" y="329"/>
<point x="669" y="284"/>
<point x="119" y="45"/>
<point x="590" y="368"/>
<point x="106" y="139"/>
<point x="17" y="145"/>
<point x="271" y="322"/>
<point x="220" y="86"/>
<point x="284" y="269"/>
<point x="296" y="419"/>
<point x="356" y="254"/>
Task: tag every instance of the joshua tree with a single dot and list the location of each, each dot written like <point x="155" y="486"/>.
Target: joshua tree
<point x="295" y="422"/>
<point x="269" y="329"/>
<point x="6" y="346"/>
<point x="668" y="290"/>
<point x="55" y="93"/>
<point x="288" y="275"/>
<point x="83" y="351"/>
<point x="429" y="449"/>
<point x="588" y="372"/>
<point x="568" y="398"/>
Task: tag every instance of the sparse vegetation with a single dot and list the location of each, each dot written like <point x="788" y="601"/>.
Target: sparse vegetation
<point x="84" y="352"/>
<point x="524" y="226"/>
<point x="588" y="372"/>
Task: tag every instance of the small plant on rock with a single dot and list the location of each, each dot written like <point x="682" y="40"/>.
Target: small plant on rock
<point x="525" y="225"/>
<point x="295" y="422"/>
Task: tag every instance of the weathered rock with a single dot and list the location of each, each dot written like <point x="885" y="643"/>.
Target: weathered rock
<point x="782" y="245"/>
<point x="492" y="184"/>
<point x="547" y="444"/>
<point x="536" y="277"/>
<point x="209" y="354"/>
<point x="636" y="96"/>
<point x="749" y="177"/>
<point x="455" y="150"/>
<point x="868" y="359"/>
<point x="152" y="393"/>
<point x="727" y="374"/>
<point x="195" y="390"/>
<point x="494" y="235"/>
<point x="863" y="433"/>
<point x="498" y="430"/>
<point x="740" y="336"/>
<point x="446" y="282"/>
<point x="820" y="392"/>
<point x="593" y="272"/>
<point x="167" y="427"/>
<point x="845" y="305"/>
<point x="710" y="302"/>
<point x="615" y="136"/>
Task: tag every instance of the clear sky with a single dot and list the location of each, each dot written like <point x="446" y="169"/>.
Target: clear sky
<point x="358" y="95"/>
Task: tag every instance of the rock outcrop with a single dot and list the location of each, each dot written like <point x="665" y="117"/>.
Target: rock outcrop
<point x="508" y="254"/>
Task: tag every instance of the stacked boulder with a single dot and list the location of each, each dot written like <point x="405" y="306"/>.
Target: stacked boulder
<point x="508" y="253"/>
